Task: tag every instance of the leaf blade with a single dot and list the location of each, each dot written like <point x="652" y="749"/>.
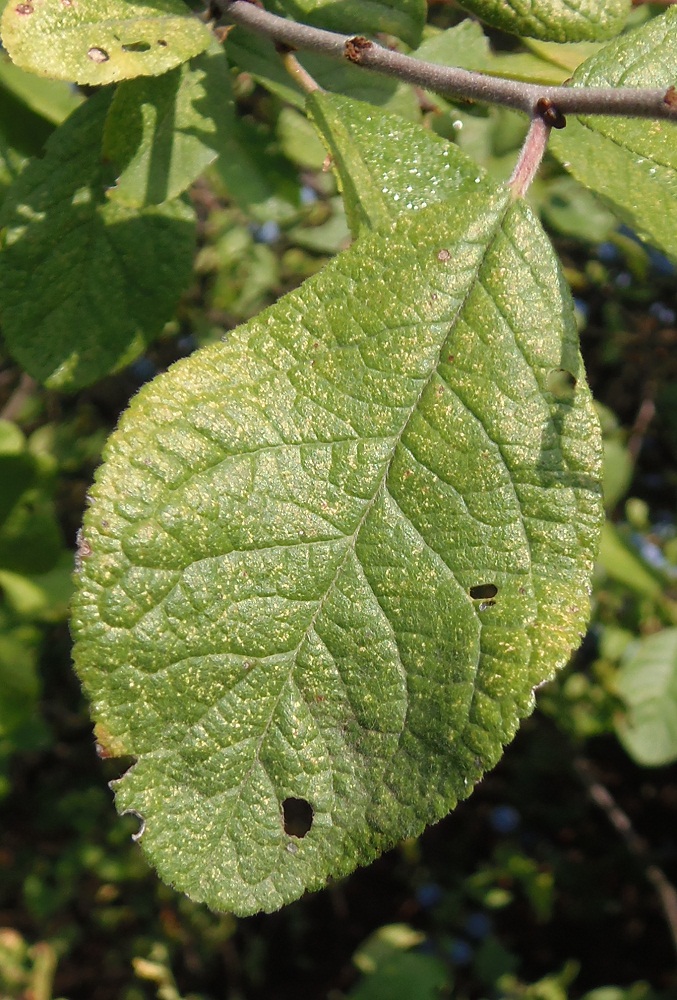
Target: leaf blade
<point x="553" y="20"/>
<point x="103" y="41"/>
<point x="631" y="163"/>
<point x="327" y="631"/>
<point x="85" y="283"/>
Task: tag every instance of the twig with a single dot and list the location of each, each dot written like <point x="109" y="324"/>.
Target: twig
<point x="298" y="73"/>
<point x="628" y="102"/>
<point x="603" y="798"/>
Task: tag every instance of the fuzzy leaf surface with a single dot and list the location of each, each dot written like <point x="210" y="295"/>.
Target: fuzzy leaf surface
<point x="85" y="283"/>
<point x="402" y="18"/>
<point x="101" y="41"/>
<point x="631" y="163"/>
<point x="382" y="177"/>
<point x="328" y="559"/>
<point x="162" y="132"/>
<point x="553" y="20"/>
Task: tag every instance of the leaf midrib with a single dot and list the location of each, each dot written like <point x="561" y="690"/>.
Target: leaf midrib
<point x="351" y="540"/>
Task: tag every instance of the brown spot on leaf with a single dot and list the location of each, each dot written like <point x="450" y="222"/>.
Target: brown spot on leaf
<point x="354" y="48"/>
<point x="24" y="8"/>
<point x="444" y="256"/>
<point x="97" y="55"/>
<point x="671" y="97"/>
<point x="326" y="165"/>
<point x="451" y="358"/>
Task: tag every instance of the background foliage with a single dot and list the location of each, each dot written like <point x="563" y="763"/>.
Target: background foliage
<point x="528" y="890"/>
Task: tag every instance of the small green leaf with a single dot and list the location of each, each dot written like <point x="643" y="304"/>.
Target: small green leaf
<point x="380" y="179"/>
<point x="328" y="559"/>
<point x="162" y="132"/>
<point x="101" y="41"/>
<point x="85" y="283"/>
<point x="403" y="18"/>
<point x="647" y="683"/>
<point x="631" y="163"/>
<point x="553" y="20"/>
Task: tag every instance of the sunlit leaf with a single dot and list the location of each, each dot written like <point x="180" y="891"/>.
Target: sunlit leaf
<point x="553" y="20"/>
<point x="327" y="560"/>
<point x="630" y="162"/>
<point x="101" y="41"/>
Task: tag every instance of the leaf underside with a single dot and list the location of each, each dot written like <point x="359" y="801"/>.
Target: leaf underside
<point x="329" y="559"/>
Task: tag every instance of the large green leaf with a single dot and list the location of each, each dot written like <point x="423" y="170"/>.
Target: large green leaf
<point x="162" y="132"/>
<point x="327" y="561"/>
<point x="101" y="41"/>
<point x="553" y="20"/>
<point x="631" y="163"/>
<point x="85" y="283"/>
<point x="402" y="18"/>
<point x="647" y="683"/>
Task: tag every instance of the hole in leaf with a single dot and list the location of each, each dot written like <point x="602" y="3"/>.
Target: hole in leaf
<point x="483" y="591"/>
<point x="136" y="47"/>
<point x="561" y="383"/>
<point x="141" y="821"/>
<point x="298" y="817"/>
<point x="97" y="55"/>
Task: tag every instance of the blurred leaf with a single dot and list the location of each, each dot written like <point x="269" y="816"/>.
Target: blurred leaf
<point x="384" y="944"/>
<point x="101" y="41"/>
<point x="405" y="977"/>
<point x="631" y="163"/>
<point x="52" y="100"/>
<point x="299" y="140"/>
<point x="647" y="683"/>
<point x="85" y="283"/>
<point x="467" y="47"/>
<point x="162" y="133"/>
<point x="44" y="597"/>
<point x="568" y="55"/>
<point x="553" y="20"/>
<point x="571" y="210"/>
<point x="623" y="565"/>
<point x="402" y="18"/>
<point x="618" y="467"/>
<point x="30" y="537"/>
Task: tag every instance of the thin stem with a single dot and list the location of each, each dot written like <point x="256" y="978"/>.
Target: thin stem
<point x="298" y="73"/>
<point x="459" y="83"/>
<point x="604" y="800"/>
<point x="530" y="157"/>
